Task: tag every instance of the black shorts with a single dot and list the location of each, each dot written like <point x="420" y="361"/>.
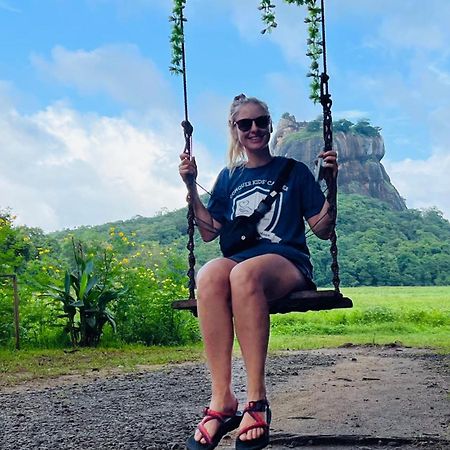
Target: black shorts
<point x="299" y="259"/>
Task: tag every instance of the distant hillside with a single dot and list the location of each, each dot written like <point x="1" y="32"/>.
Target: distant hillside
<point x="377" y="245"/>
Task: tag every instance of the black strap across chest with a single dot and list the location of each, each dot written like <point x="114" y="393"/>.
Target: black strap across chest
<point x="266" y="203"/>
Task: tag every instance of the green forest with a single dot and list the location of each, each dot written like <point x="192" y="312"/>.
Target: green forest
<point x="78" y="285"/>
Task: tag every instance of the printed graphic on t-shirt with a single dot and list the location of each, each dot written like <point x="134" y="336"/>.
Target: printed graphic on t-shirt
<point x="245" y="203"/>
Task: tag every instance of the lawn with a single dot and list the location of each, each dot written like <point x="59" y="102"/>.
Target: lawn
<point x="413" y="316"/>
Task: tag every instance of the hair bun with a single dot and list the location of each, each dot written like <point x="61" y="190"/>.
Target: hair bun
<point x="239" y="98"/>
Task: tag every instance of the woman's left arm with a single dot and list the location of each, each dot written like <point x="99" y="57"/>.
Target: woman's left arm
<point x="322" y="224"/>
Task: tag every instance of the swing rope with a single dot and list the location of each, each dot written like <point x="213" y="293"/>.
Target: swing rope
<point x="188" y="129"/>
<point x="331" y="182"/>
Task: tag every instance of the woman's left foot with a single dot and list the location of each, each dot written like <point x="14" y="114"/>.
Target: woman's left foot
<point x="254" y="429"/>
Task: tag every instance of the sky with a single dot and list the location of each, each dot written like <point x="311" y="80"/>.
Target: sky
<point x="90" y="114"/>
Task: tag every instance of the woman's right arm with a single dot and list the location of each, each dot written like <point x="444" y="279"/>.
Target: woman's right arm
<point x="207" y="226"/>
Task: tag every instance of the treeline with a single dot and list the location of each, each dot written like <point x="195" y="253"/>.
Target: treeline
<point x="381" y="247"/>
<point x="377" y="246"/>
<point x="362" y="127"/>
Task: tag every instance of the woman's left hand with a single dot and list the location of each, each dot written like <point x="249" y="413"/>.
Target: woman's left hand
<point x="330" y="160"/>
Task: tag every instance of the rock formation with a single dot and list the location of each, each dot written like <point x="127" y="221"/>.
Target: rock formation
<point x="360" y="168"/>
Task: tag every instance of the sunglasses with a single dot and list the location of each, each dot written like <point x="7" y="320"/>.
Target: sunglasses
<point x="246" y="124"/>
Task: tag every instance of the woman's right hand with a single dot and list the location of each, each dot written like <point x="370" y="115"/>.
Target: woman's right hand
<point x="188" y="170"/>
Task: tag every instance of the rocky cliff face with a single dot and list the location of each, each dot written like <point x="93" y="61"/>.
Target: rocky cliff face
<point x="360" y="168"/>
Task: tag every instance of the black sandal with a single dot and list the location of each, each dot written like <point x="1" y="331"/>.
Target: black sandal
<point x="260" y="406"/>
<point x="228" y="422"/>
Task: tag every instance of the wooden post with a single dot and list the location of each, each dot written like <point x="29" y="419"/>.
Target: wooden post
<point x="16" y="312"/>
<point x="16" y="308"/>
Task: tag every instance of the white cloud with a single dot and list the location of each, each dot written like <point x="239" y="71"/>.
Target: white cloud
<point x="64" y="169"/>
<point x="119" y="71"/>
<point x="423" y="183"/>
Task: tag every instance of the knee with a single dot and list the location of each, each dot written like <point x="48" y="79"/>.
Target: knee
<point x="245" y="281"/>
<point x="213" y="276"/>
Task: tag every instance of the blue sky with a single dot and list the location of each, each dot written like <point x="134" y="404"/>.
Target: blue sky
<point x="89" y="113"/>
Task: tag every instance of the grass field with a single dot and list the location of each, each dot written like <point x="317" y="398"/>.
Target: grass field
<point x="412" y="316"/>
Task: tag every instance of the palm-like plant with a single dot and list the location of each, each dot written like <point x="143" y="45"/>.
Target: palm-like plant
<point x="87" y="294"/>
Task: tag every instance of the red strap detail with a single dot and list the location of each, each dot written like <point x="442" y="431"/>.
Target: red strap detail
<point x="259" y="423"/>
<point x="210" y="414"/>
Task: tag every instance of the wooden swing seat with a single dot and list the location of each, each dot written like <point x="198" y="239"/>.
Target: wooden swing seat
<point x="297" y="301"/>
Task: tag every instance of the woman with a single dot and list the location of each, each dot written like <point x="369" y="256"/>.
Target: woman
<point x="233" y="292"/>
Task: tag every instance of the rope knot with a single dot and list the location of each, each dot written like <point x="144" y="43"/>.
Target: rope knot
<point x="187" y="127"/>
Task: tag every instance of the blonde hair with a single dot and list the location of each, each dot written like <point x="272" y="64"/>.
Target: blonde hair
<point x="236" y="153"/>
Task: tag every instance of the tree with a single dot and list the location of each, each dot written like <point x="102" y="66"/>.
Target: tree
<point x="12" y="247"/>
<point x="343" y="125"/>
<point x="315" y="125"/>
<point x="363" y="127"/>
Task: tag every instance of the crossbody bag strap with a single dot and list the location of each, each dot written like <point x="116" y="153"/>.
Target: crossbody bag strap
<point x="266" y="203"/>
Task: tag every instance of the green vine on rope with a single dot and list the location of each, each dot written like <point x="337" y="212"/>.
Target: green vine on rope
<point x="314" y="42"/>
<point x="177" y="36"/>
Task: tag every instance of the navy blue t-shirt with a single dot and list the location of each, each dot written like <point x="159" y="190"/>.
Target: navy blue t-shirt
<point x="282" y="229"/>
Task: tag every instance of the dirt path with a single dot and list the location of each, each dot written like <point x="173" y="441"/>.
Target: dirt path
<point x="346" y="398"/>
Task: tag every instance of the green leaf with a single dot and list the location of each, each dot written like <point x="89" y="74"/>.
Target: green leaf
<point x="78" y="304"/>
<point x="89" y="266"/>
<point x="83" y="285"/>
<point x="92" y="282"/>
<point x="67" y="282"/>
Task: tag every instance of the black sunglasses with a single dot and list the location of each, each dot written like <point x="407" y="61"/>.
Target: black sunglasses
<point x="246" y="124"/>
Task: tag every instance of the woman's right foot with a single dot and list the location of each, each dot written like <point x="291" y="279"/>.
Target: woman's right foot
<point x="226" y="409"/>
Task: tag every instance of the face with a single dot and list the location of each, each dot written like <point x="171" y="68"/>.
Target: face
<point x="254" y="138"/>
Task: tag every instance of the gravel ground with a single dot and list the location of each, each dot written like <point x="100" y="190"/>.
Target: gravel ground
<point x="352" y="398"/>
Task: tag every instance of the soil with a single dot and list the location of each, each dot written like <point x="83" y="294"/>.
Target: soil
<point x="367" y="397"/>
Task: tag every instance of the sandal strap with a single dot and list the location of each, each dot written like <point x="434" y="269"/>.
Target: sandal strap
<point x="258" y="424"/>
<point x="259" y="406"/>
<point x="210" y="414"/>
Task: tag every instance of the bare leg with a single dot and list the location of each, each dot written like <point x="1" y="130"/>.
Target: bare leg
<point x="216" y="324"/>
<point x="253" y="283"/>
